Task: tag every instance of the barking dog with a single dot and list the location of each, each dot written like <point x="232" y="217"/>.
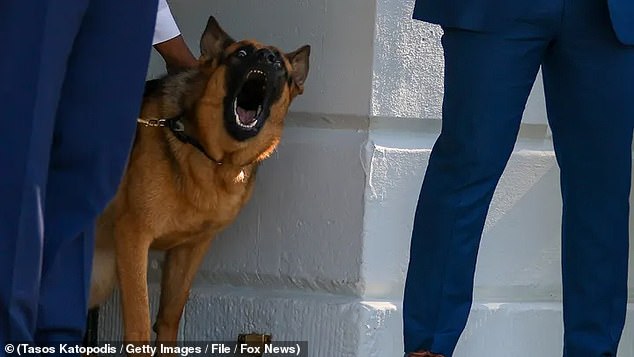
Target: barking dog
<point x="201" y="136"/>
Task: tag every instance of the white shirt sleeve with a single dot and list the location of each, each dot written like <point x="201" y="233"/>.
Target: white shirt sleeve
<point x="165" y="28"/>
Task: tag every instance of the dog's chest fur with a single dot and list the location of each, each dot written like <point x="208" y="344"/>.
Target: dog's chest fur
<point x="202" y="211"/>
<point x="183" y="197"/>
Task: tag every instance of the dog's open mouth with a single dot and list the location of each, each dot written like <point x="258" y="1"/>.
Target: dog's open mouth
<point x="249" y="102"/>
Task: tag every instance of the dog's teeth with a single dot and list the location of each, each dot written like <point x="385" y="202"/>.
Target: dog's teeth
<point x="256" y="71"/>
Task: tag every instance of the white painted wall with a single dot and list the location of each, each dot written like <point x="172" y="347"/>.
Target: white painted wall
<point x="340" y="33"/>
<point x="408" y="67"/>
<point x="321" y="251"/>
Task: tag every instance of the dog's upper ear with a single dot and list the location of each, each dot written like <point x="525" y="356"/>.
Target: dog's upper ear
<point x="213" y="41"/>
<point x="299" y="60"/>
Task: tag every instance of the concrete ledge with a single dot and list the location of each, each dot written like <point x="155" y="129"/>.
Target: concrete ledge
<point x="345" y="326"/>
<point x="523" y="330"/>
<point x="333" y="325"/>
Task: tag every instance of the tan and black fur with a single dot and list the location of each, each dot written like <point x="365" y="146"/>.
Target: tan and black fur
<point x="175" y="196"/>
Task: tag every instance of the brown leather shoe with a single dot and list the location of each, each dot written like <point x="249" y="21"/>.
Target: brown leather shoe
<point x="424" y="354"/>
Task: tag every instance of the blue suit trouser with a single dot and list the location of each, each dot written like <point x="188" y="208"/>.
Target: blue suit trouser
<point x="71" y="78"/>
<point x="589" y="89"/>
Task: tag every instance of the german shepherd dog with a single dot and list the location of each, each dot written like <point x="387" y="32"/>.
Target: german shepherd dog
<point x="202" y="134"/>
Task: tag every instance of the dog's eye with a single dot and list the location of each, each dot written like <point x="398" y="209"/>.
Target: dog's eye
<point x="241" y="53"/>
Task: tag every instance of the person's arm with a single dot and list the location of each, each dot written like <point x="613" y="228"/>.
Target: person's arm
<point x="168" y="40"/>
<point x="176" y="54"/>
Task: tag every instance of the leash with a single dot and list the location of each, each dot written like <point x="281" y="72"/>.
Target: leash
<point x="176" y="126"/>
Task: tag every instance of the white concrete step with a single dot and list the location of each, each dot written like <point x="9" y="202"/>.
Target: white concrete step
<point x="333" y="325"/>
<point x="337" y="326"/>
<point x="523" y="330"/>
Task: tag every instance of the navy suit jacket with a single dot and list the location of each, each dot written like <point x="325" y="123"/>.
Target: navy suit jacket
<point x="489" y="15"/>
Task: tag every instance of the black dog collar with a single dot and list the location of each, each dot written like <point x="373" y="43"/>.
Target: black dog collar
<point x="178" y="129"/>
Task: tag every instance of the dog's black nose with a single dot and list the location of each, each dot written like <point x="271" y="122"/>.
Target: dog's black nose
<point x="266" y="56"/>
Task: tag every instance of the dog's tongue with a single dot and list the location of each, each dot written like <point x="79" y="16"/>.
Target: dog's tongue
<point x="246" y="116"/>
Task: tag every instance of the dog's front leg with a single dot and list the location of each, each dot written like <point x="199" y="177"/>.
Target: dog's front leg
<point x="179" y="269"/>
<point x="132" y="260"/>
